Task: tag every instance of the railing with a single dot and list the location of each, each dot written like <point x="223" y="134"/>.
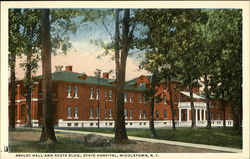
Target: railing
<point x="188" y="104"/>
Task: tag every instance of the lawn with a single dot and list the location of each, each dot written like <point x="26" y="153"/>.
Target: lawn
<point x="28" y="141"/>
<point x="227" y="137"/>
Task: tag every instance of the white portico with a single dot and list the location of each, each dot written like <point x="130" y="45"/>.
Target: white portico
<point x="185" y="109"/>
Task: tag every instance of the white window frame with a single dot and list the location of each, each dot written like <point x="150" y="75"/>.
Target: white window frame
<point x="140" y="98"/>
<point x="144" y="114"/>
<point x="110" y="113"/>
<point x="91" y="112"/>
<point x="98" y="92"/>
<point x="110" y="95"/>
<point x="126" y="113"/>
<point x="76" y="112"/>
<point x="131" y="98"/>
<point x="97" y="113"/>
<point x="157" y="114"/>
<point x="76" y="92"/>
<point x="164" y="99"/>
<point x="125" y="97"/>
<point x="91" y="93"/>
<point x="165" y="113"/>
<point x="69" y="91"/>
<point x="140" y="114"/>
<point x="69" y="112"/>
<point x="130" y="114"/>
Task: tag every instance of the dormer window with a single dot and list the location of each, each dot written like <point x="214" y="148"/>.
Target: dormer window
<point x="69" y="92"/>
<point x="142" y="84"/>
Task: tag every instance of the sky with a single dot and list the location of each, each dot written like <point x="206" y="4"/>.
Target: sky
<point x="83" y="54"/>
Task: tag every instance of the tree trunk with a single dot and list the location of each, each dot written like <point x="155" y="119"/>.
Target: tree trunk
<point x="207" y="102"/>
<point x="120" y="130"/>
<point x="224" y="114"/>
<point x="13" y="90"/>
<point x="152" y="104"/>
<point x="48" y="110"/>
<point x="171" y="103"/>
<point x="28" y="87"/>
<point x="192" y="107"/>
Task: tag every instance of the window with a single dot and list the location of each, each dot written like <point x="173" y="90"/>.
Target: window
<point x="143" y="98"/>
<point x="76" y="124"/>
<point x="218" y="116"/>
<point x="110" y="95"/>
<point x="212" y="115"/>
<point x="165" y="114"/>
<point x="97" y="93"/>
<point x="157" y="114"/>
<point x="69" y="112"/>
<point x="91" y="92"/>
<point x="106" y="94"/>
<point x="110" y="113"/>
<point x="131" y="98"/>
<point x="76" y="92"/>
<point x="131" y="114"/>
<point x="144" y="114"/>
<point x="91" y="110"/>
<point x="97" y="113"/>
<point x="106" y="113"/>
<point x="125" y="97"/>
<point x="126" y="113"/>
<point x="142" y="84"/>
<point x="175" y="113"/>
<point x="69" y="92"/>
<point x="164" y="88"/>
<point x="140" y="114"/>
<point x="76" y="112"/>
<point x="165" y="99"/>
<point x="140" y="98"/>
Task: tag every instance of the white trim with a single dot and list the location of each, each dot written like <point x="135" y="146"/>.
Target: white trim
<point x="36" y="82"/>
<point x="194" y="95"/>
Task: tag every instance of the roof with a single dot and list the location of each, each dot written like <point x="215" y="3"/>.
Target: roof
<point x="194" y="95"/>
<point x="69" y="76"/>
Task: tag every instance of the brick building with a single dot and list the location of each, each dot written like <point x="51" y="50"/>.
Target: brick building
<point x="79" y="98"/>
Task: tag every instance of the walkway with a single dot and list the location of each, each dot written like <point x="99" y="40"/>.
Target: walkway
<point x="175" y="143"/>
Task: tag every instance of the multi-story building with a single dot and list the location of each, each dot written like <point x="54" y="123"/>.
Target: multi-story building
<point x="80" y="100"/>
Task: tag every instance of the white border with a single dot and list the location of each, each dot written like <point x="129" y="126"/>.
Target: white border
<point x="130" y="4"/>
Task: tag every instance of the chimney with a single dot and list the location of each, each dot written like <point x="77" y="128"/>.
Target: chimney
<point x="105" y="75"/>
<point x="58" y="68"/>
<point x="68" y="68"/>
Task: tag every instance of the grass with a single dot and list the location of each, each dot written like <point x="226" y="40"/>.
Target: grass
<point x="64" y="144"/>
<point x="227" y="137"/>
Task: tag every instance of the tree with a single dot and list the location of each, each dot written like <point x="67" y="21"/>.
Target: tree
<point x="188" y="43"/>
<point x="120" y="130"/>
<point x="31" y="41"/>
<point x="14" y="51"/>
<point x="227" y="47"/>
<point x="48" y="109"/>
<point x="159" y="44"/>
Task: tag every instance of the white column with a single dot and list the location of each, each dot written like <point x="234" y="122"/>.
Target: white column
<point x="187" y="115"/>
<point x="179" y="115"/>
<point x="204" y="113"/>
<point x="196" y="116"/>
<point x="200" y="115"/>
